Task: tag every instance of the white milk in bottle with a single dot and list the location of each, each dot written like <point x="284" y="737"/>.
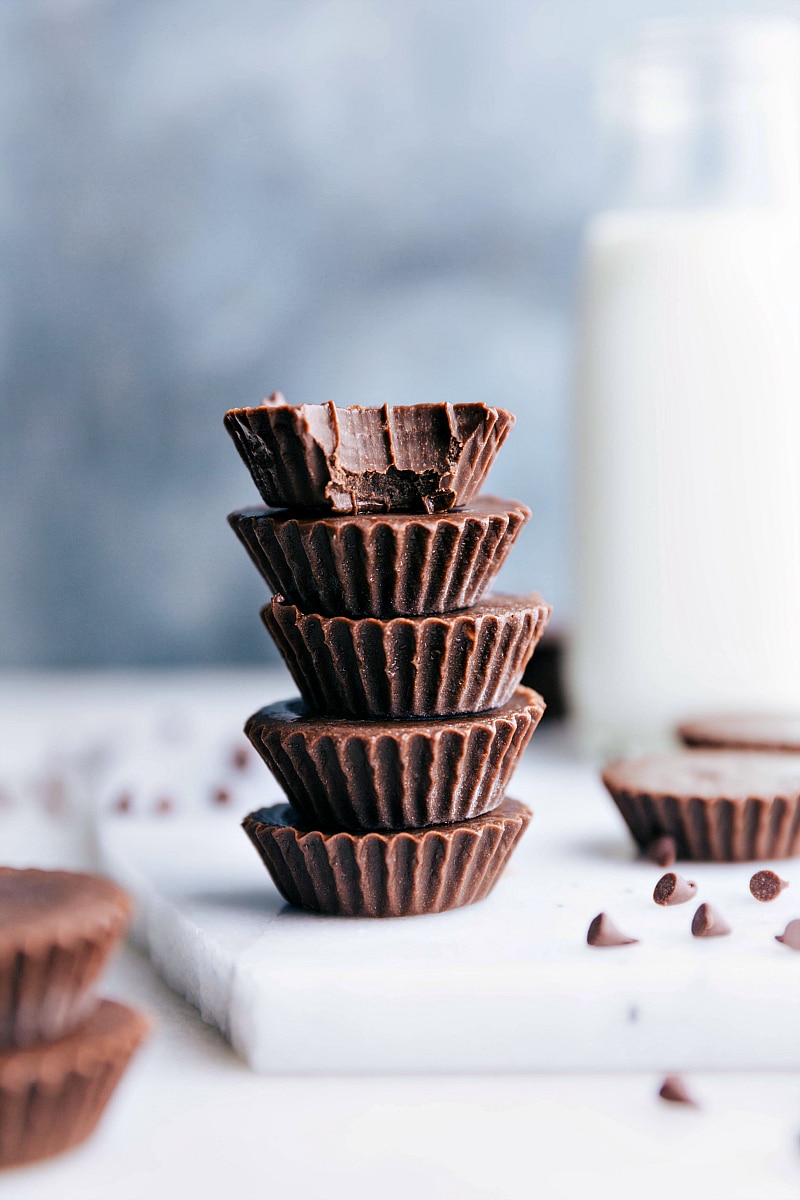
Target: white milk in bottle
<point x="688" y="391"/>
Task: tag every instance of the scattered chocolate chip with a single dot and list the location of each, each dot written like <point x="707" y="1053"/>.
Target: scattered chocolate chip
<point x="164" y="805"/>
<point x="790" y="936"/>
<point x="53" y="795"/>
<point x="707" y="922"/>
<point x="240" y="758"/>
<point x="663" y="851"/>
<point x="766" y="885"/>
<point x="674" y="1089"/>
<point x="673" y="889"/>
<point x="123" y="803"/>
<point x="603" y="932"/>
<point x="222" y="796"/>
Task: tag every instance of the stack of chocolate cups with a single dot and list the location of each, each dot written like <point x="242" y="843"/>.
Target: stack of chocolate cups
<point x="62" y="1048"/>
<point x="380" y="551"/>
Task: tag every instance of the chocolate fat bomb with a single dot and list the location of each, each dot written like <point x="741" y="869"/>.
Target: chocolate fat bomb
<point x="743" y="731"/>
<point x="422" y="457"/>
<point x="721" y="805"/>
<point x="397" y="874"/>
<point x="440" y="666"/>
<point x="57" y="930"/>
<point x="376" y="565"/>
<point x="348" y="774"/>
<point x="53" y="1094"/>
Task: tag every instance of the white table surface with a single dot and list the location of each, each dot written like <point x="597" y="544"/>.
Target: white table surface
<point x="190" y="1120"/>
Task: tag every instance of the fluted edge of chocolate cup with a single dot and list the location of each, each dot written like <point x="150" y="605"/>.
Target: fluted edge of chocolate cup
<point x="52" y="1096"/>
<point x="48" y="970"/>
<point x="428" y="457"/>
<point x="400" y="874"/>
<point x="465" y="662"/>
<point x="356" y="775"/>
<point x="374" y="565"/>
<point x="718" y="830"/>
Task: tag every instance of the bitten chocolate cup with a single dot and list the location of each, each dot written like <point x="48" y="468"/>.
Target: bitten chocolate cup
<point x="402" y="874"/>
<point x="374" y="565"/>
<point x="717" y="805"/>
<point x="421" y="457"/>
<point x="340" y="773"/>
<point x="57" y="931"/>
<point x="465" y="662"/>
<point x="52" y="1095"/>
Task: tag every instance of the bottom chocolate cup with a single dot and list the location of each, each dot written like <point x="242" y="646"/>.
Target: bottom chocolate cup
<point x="388" y="874"/>
<point x="52" y="1095"/>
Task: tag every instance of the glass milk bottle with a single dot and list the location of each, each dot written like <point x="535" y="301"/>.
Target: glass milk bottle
<point x="688" y="389"/>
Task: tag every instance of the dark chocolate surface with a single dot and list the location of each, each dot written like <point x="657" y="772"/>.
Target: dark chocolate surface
<point x="465" y="662"/>
<point x="381" y="565"/>
<point x="386" y="874"/>
<point x="423" y="457"/>
<point x="356" y="774"/>
<point x="722" y="805"/>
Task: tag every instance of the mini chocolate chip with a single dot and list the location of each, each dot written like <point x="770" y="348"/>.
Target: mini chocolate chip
<point x="603" y="932"/>
<point x="707" y="922"/>
<point x="663" y="851"/>
<point x="53" y="794"/>
<point x="164" y="805"/>
<point x="766" y="885"/>
<point x="123" y="803"/>
<point x="673" y="889"/>
<point x="240" y="758"/>
<point x="790" y="936"/>
<point x="674" y="1089"/>
<point x="222" y="796"/>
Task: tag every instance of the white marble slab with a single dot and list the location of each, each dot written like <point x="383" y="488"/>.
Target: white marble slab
<point x="505" y="985"/>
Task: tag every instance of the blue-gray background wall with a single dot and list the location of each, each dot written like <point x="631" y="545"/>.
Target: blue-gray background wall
<point x="204" y="200"/>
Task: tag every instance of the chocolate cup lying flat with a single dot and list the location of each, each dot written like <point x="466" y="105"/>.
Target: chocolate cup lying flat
<point x="52" y="1095"/>
<point x="401" y="874"/>
<point x="718" y="805"/>
<point x="371" y="565"/>
<point x="421" y="457"/>
<point x="348" y="774"/>
<point x="743" y="731"/>
<point x="440" y="666"/>
<point x="57" y="931"/>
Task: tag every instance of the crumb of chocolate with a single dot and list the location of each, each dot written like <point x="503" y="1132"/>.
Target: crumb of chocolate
<point x="164" y="805"/>
<point x="766" y="885"/>
<point x="221" y="796"/>
<point x="123" y="803"/>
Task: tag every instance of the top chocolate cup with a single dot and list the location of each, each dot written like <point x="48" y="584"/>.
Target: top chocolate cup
<point x="415" y="458"/>
<point x="57" y="930"/>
